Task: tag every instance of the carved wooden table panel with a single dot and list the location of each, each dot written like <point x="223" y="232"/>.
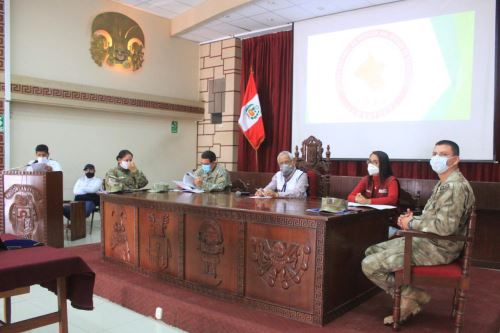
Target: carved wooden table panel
<point x="212" y="251"/>
<point x="159" y="237"/>
<point x="120" y="233"/>
<point x="280" y="265"/>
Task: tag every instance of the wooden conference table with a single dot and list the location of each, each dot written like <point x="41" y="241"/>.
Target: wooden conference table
<point x="268" y="253"/>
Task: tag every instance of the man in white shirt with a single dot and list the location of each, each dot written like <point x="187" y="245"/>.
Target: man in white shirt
<point x="289" y="182"/>
<point x="42" y="161"/>
<point x="85" y="189"/>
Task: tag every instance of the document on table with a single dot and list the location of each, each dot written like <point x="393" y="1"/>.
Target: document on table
<point x="378" y="207"/>
<point x="187" y="183"/>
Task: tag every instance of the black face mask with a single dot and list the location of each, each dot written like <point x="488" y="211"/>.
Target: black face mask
<point x="89" y="174"/>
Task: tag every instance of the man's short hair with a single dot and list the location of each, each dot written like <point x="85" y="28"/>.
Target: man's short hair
<point x="287" y="153"/>
<point x="42" y="148"/>
<point x="209" y="155"/>
<point x="454" y="147"/>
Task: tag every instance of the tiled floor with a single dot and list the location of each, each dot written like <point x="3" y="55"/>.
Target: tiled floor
<point x="107" y="317"/>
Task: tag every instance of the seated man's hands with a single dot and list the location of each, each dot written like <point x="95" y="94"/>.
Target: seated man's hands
<point x="404" y="219"/>
<point x="259" y="192"/>
<point x="270" y="193"/>
<point x="198" y="181"/>
<point x="262" y="192"/>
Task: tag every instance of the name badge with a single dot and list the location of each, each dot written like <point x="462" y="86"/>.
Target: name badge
<point x="383" y="190"/>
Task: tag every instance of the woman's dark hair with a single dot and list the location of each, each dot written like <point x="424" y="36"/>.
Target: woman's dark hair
<point x="123" y="153"/>
<point x="384" y="165"/>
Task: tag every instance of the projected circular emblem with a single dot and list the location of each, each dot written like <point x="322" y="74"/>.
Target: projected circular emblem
<point x="252" y="111"/>
<point x="374" y="74"/>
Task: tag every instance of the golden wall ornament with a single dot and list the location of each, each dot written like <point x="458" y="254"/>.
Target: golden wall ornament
<point x="117" y="41"/>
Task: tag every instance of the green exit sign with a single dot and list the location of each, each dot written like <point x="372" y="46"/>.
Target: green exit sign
<point x="174" y="126"/>
<point x="1" y="123"/>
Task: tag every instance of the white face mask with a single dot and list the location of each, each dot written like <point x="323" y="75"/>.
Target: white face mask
<point x="373" y="169"/>
<point x="124" y="165"/>
<point x="42" y="159"/>
<point x="439" y="164"/>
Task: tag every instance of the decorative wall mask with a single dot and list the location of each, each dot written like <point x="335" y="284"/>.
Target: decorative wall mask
<point x="117" y="41"/>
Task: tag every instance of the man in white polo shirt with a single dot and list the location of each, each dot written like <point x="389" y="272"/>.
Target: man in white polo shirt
<point x="289" y="182"/>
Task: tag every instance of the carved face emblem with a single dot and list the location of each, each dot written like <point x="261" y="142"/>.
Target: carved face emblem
<point x="117" y="41"/>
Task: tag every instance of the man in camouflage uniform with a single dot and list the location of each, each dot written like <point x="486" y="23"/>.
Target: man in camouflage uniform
<point x="125" y="176"/>
<point x="445" y="213"/>
<point x="211" y="176"/>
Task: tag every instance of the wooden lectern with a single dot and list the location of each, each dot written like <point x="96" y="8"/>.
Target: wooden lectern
<point x="33" y="204"/>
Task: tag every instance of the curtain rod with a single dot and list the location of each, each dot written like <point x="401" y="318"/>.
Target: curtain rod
<point x="253" y="33"/>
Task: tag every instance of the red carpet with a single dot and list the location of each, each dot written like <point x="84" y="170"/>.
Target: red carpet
<point x="198" y="313"/>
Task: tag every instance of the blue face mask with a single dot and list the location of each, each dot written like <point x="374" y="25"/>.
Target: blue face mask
<point x="206" y="168"/>
<point x="439" y="164"/>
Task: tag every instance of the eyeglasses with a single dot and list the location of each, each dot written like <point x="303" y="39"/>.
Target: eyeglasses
<point x="374" y="162"/>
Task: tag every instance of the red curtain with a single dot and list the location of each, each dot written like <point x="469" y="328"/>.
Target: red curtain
<point x="270" y="57"/>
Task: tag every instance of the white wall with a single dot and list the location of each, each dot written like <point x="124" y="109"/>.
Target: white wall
<point x="51" y="40"/>
<point x="50" y="43"/>
<point x="76" y="137"/>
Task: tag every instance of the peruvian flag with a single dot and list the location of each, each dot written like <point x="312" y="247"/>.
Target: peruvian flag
<point x="250" y="121"/>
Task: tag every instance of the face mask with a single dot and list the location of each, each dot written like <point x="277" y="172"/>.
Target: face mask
<point x="124" y="165"/>
<point x="42" y="159"/>
<point x="206" y="168"/>
<point x="439" y="164"/>
<point x="373" y="169"/>
<point x="286" y="169"/>
<point x="89" y="174"/>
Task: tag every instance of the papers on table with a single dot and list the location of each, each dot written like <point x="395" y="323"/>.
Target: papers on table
<point x="187" y="183"/>
<point x="188" y="179"/>
<point x="188" y="188"/>
<point x="378" y="207"/>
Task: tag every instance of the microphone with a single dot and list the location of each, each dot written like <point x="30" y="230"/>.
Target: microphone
<point x="241" y="193"/>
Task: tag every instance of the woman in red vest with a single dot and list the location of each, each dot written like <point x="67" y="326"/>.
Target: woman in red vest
<point x="380" y="187"/>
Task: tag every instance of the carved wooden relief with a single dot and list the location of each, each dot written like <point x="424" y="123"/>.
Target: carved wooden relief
<point x="119" y="241"/>
<point x="211" y="247"/>
<point x="25" y="211"/>
<point x="280" y="262"/>
<point x="159" y="247"/>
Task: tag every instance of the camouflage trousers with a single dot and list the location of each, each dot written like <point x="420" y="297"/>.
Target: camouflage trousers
<point x="382" y="260"/>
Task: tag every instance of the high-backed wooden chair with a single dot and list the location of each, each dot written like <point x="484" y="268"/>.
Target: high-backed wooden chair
<point x="317" y="168"/>
<point x="455" y="274"/>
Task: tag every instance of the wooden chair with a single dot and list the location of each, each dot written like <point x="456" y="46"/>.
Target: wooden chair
<point x="76" y="226"/>
<point x="455" y="274"/>
<point x="317" y="168"/>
